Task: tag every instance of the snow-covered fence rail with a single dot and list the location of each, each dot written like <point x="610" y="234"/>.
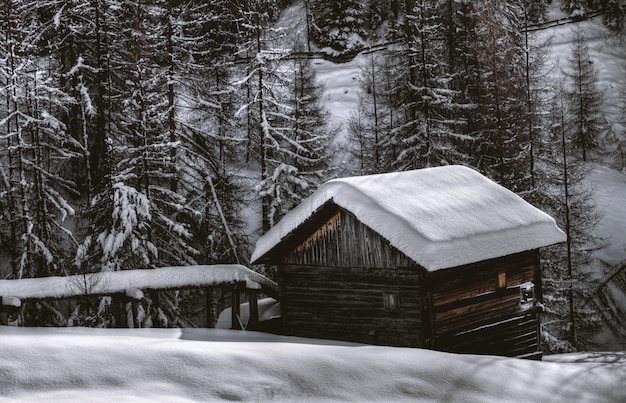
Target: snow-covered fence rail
<point x="118" y="282"/>
<point x="131" y="284"/>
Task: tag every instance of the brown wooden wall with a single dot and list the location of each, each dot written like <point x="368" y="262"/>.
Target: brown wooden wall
<point x="332" y="286"/>
<point x="336" y="270"/>
<point x="477" y="308"/>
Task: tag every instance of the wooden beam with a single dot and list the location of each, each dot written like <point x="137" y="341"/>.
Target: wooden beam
<point x="253" y="322"/>
<point x="236" y="308"/>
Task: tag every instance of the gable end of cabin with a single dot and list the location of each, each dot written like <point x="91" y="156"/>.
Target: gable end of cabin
<point x="341" y="280"/>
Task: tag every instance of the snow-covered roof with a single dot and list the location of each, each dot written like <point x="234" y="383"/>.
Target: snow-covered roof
<point x="125" y="281"/>
<point x="440" y="217"/>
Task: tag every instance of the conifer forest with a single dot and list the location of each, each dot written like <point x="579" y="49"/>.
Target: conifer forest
<point x="149" y="133"/>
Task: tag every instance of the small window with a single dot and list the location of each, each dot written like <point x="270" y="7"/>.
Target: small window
<point x="501" y="280"/>
<point x="391" y="300"/>
<point x="527" y="292"/>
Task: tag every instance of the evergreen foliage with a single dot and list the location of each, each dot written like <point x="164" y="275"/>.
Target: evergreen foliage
<point x="372" y="121"/>
<point x="501" y="96"/>
<point x="612" y="11"/>
<point x="569" y="270"/>
<point x="584" y="100"/>
<point x="303" y="162"/>
<point x="339" y="24"/>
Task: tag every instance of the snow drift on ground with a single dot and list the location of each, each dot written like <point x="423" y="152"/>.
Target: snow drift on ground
<point x="174" y="365"/>
<point x="269" y="308"/>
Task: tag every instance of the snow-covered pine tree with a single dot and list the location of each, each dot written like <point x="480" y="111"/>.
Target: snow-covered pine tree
<point x="502" y="138"/>
<point x="339" y="25"/>
<point x="76" y="40"/>
<point x="427" y="130"/>
<point x="138" y="218"/>
<point x="584" y="99"/>
<point x="570" y="270"/>
<point x="36" y="154"/>
<point x="265" y="107"/>
<point x="35" y="158"/>
<point x="372" y="120"/>
<point x="302" y="154"/>
<point x="210" y="135"/>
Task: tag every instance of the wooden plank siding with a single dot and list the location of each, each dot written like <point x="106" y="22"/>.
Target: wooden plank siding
<point x="332" y="286"/>
<point x="335" y="270"/>
<point x="343" y="241"/>
<point x="347" y="304"/>
<point x="473" y="312"/>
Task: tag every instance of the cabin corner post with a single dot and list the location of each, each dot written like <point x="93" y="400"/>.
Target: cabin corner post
<point x="537" y="303"/>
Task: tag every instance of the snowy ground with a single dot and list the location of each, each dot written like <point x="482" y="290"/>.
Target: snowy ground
<point x="174" y="365"/>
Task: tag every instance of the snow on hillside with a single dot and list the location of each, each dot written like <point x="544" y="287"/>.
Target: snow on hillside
<point x="199" y="365"/>
<point x="609" y="190"/>
<point x="341" y="82"/>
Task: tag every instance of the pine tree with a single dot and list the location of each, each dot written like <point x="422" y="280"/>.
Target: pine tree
<point x="584" y="99"/>
<point x="36" y="154"/>
<point x="369" y="123"/>
<point x="210" y="134"/>
<point x="537" y="53"/>
<point x="338" y="24"/>
<point x="570" y="269"/>
<point x="265" y="108"/>
<point x="428" y="131"/>
<point x="503" y="152"/>
<point x="138" y="217"/>
<point x="302" y="161"/>
<point x="361" y="144"/>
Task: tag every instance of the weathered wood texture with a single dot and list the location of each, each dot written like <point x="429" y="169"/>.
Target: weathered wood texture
<point x="335" y="270"/>
<point x="333" y="282"/>
<point x="347" y="304"/>
<point x="343" y="241"/>
<point x="472" y="312"/>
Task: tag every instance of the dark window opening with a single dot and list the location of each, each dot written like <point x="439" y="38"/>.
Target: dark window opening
<point x="391" y="300"/>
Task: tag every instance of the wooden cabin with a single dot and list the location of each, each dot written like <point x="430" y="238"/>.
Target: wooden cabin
<point x="439" y="258"/>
